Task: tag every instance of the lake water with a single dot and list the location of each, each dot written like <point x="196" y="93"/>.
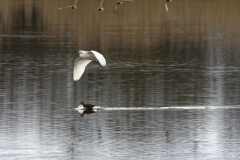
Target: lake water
<point x="170" y="89"/>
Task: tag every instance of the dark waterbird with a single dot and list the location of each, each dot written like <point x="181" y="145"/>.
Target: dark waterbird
<point x="73" y="6"/>
<point x="87" y="106"/>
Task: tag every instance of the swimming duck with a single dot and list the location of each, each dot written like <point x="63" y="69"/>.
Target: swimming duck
<point x="87" y="106"/>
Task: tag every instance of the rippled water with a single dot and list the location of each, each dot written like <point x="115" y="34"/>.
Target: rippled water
<point x="121" y="134"/>
<point x="170" y="89"/>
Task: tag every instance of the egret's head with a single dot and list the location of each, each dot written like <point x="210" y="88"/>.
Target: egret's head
<point x="84" y="54"/>
<point x="101" y="65"/>
<point x="100" y="60"/>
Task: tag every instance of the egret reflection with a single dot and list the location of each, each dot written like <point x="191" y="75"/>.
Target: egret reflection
<point x="73" y="6"/>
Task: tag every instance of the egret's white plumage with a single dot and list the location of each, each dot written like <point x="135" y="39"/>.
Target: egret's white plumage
<point x="85" y="57"/>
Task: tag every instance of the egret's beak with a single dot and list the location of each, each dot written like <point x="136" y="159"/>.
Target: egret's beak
<point x="98" y="63"/>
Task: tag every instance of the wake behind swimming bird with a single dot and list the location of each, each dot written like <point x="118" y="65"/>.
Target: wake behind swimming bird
<point x="73" y="6"/>
<point x="85" y="57"/>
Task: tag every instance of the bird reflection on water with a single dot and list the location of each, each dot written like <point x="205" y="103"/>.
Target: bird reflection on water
<point x="73" y="6"/>
<point x="166" y="4"/>
<point x="100" y="8"/>
<point x="82" y="112"/>
<point x="120" y="2"/>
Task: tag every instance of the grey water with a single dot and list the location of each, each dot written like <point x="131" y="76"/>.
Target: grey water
<point x="170" y="89"/>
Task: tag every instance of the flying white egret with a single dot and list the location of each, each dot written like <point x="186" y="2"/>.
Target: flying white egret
<point x="82" y="61"/>
<point x="73" y="6"/>
<point x="120" y="2"/>
<point x="100" y="8"/>
<point x="166" y="4"/>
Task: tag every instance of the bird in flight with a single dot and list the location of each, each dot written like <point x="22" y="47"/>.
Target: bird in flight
<point x="82" y="61"/>
<point x="120" y="2"/>
<point x="166" y="4"/>
<point x="100" y="8"/>
<point x="73" y="6"/>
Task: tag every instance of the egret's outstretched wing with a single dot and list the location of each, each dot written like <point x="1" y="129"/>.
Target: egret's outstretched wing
<point x="99" y="57"/>
<point x="75" y="2"/>
<point x="166" y="6"/>
<point x="79" y="67"/>
<point x="65" y="7"/>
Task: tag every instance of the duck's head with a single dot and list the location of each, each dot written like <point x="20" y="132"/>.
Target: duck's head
<point x="74" y="7"/>
<point x="82" y="103"/>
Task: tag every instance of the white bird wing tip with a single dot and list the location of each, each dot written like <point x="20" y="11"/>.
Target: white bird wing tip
<point x="79" y="68"/>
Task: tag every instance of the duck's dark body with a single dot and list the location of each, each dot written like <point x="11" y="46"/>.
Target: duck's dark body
<point x="87" y="106"/>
